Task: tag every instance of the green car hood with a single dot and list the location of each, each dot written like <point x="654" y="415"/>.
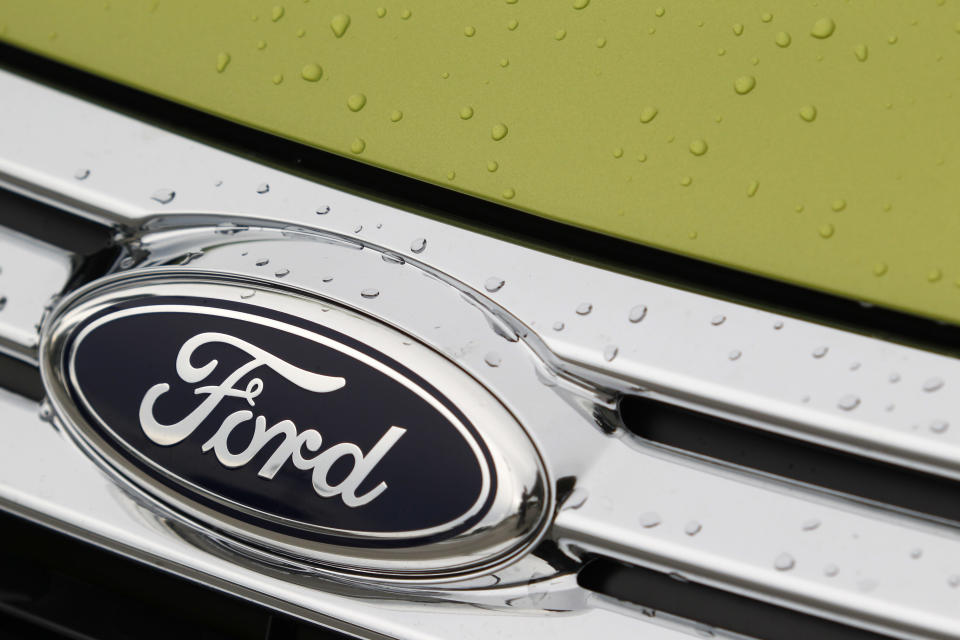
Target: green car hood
<point x="813" y="142"/>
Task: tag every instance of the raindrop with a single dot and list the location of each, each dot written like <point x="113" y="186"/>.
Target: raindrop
<point x="418" y="245"/>
<point x="718" y="320"/>
<point x="783" y="39"/>
<point x="405" y="14"/>
<point x="854" y="366"/>
<point x="263" y="187"/>
<point x="861" y="51"/>
<point x="637" y="313"/>
<point x="82" y="174"/>
<point x="954" y="581"/>
<point x="370" y="292"/>
<point x="223" y="59"/>
<point x="492" y="166"/>
<point x="358" y="145"/>
<point x="163" y="196"/>
<point x="492" y="359"/>
<point x="499" y="131"/>
<point x="698" y="147"/>
<point x="263" y="262"/>
<point x="470" y="31"/>
<point x="819" y="352"/>
<point x="811" y="524"/>
<point x="392" y="259"/>
<point x="558" y="326"/>
<point x="327" y="279"/>
<point x="466" y="113"/>
<point x="932" y="384"/>
<point x="311" y="72"/>
<point x="826" y="230"/>
<point x="494" y="283"/>
<point x="647" y="114"/>
<point x="692" y="528"/>
<point x="831" y="570"/>
<point x="894" y="377"/>
<point x="323" y="210"/>
<point x="247" y="294"/>
<point x="281" y="272"/>
<point x="734" y="355"/>
<point x="823" y="28"/>
<point x="916" y="553"/>
<point x="276" y="13"/>
<point x="738" y="29"/>
<point x="778" y="325"/>
<point x="356" y="102"/>
<point x="358" y="228"/>
<point x="809" y="114"/>
<point x="576" y="499"/>
<point x="610" y="352"/>
<point x="3" y="302"/>
<point x="584" y="308"/>
<point x="784" y="562"/>
<point x="649" y="519"/>
<point x="939" y="426"/>
<point x="744" y="84"/>
<point x="848" y="402"/>
<point x="339" y="24"/>
<point x="396" y="115"/>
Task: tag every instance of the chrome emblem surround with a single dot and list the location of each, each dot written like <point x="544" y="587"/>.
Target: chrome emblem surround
<point x="130" y="430"/>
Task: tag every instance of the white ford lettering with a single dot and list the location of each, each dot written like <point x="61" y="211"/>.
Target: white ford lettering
<point x="292" y="443"/>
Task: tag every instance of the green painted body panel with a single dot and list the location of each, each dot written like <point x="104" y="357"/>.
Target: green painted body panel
<point x="813" y="142"/>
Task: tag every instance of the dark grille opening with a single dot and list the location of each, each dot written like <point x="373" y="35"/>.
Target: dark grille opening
<point x="878" y="482"/>
<point x="51" y="225"/>
<point x="659" y="592"/>
<point x="20" y="377"/>
<point x="53" y="587"/>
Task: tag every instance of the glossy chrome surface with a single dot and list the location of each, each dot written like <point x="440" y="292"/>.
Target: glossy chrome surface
<point x="507" y="516"/>
<point x="556" y="341"/>
<point x="32" y="274"/>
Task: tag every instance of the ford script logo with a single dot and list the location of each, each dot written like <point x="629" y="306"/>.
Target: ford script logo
<point x="294" y="425"/>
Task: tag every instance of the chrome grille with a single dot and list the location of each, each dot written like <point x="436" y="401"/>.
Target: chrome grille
<point x="598" y="335"/>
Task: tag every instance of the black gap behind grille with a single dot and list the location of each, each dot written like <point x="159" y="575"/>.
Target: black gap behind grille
<point x="752" y="448"/>
<point x="53" y="226"/>
<point x="21" y="378"/>
<point x="53" y="587"/>
<point x="715" y="608"/>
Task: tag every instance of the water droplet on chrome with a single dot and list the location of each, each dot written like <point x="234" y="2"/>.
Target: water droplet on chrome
<point x="418" y="245"/>
<point x="953" y="581"/>
<point x="493" y="359"/>
<point x="819" y="352"/>
<point x="3" y="302"/>
<point x="734" y="354"/>
<point x="370" y="292"/>
<point x="811" y="524"/>
<point x="777" y="325"/>
<point x="637" y="313"/>
<point x="246" y="294"/>
<point x="939" y="426"/>
<point x="280" y="273"/>
<point x="831" y="570"/>
<point x="718" y="319"/>
<point x="262" y="262"/>
<point x="649" y="519"/>
<point x="558" y="326"/>
<point x="262" y="188"/>
<point x="784" y="562"/>
<point x="584" y="308"/>
<point x="82" y="174"/>
<point x="932" y="384"/>
<point x="163" y="196"/>
<point x="576" y="499"/>
<point x="692" y="528"/>
<point x="327" y="279"/>
<point x="493" y="283"/>
<point x="610" y="352"/>
<point x="848" y="402"/>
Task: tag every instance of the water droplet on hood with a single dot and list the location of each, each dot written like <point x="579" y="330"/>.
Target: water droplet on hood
<point x="862" y="52"/>
<point x="223" y="59"/>
<point x="647" y="114"/>
<point x="499" y="131"/>
<point x="311" y="72"/>
<point x="783" y="39"/>
<point x="276" y="13"/>
<point x="823" y="28"/>
<point x="744" y="84"/>
<point x="339" y="24"/>
<point x="698" y="147"/>
<point x="356" y="102"/>
<point x="809" y="113"/>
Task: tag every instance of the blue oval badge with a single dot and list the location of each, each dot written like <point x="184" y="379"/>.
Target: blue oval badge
<point x="294" y="424"/>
